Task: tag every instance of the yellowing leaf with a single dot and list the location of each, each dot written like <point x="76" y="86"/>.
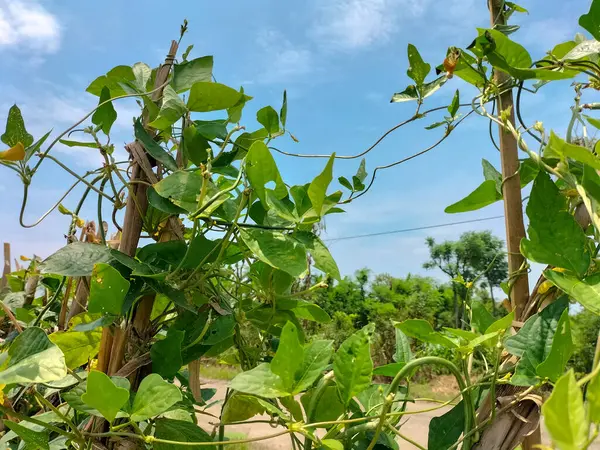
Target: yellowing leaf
<point x="24" y="258"/>
<point x="2" y="386"/>
<point x="16" y="153"/>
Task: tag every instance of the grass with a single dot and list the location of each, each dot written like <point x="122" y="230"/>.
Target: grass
<point x="441" y="388"/>
<point x="218" y="371"/>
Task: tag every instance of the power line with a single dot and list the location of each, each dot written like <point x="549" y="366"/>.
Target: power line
<point x="406" y="230"/>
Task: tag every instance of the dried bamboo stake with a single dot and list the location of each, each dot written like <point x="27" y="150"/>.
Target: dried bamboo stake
<point x="64" y="307"/>
<point x="135" y="211"/>
<point x="105" y="343"/>
<point x="194" y="379"/>
<point x="495" y="436"/>
<point x="6" y="270"/>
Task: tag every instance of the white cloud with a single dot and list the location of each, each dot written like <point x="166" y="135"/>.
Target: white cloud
<point x="357" y="24"/>
<point x="27" y="24"/>
<point x="284" y="60"/>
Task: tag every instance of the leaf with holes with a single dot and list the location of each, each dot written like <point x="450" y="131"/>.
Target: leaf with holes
<point x="107" y="290"/>
<point x="15" y="129"/>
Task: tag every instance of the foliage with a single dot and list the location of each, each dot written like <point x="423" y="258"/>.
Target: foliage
<point x="229" y="272"/>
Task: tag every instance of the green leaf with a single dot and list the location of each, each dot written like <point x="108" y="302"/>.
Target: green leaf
<point x="423" y="331"/>
<point x="432" y="87"/>
<point x="402" y="353"/>
<point x="593" y="399"/>
<point x="490" y="173"/>
<point x="196" y="146"/>
<point x="562" y="349"/>
<point x="418" y="69"/>
<point x="564" y="414"/>
<point x="269" y="119"/>
<point x="352" y="364"/>
<point x="107" y="290"/>
<point x="276" y="249"/>
<point x="528" y="170"/>
<point x="453" y="107"/>
<point x="582" y="50"/>
<point x="289" y="356"/>
<point x="283" y="111"/>
<point x="593" y="121"/>
<point x="332" y="444"/>
<point x="485" y="194"/>
<point x="180" y="431"/>
<point x="558" y="148"/>
<point x="15" y="129"/>
<point x="186" y="74"/>
<point x="260" y="381"/>
<point x="104" y="396"/>
<point x="77" y="346"/>
<point x="32" y="149"/>
<point x="317" y="191"/>
<point x="311" y="311"/>
<point x="538" y="331"/>
<point x="389" y="370"/>
<point x="76" y="259"/>
<point x="78" y="144"/>
<point x="206" y="97"/>
<point x="346" y="183"/>
<point x="105" y="115"/>
<point x="407" y="95"/>
<point x="316" y="359"/>
<point x="501" y="324"/>
<point x="166" y="354"/>
<point x="32" y="439"/>
<point x="261" y="169"/>
<point x="482" y="319"/>
<point x="153" y="397"/>
<point x="561" y="50"/>
<point x="220" y="329"/>
<point x="241" y="407"/>
<point x="163" y="204"/>
<point x="33" y="358"/>
<point x="533" y="343"/>
<point x="329" y="406"/>
<point x="152" y="147"/>
<point x="591" y="20"/>
<point x="445" y="430"/>
<point x="113" y="81"/>
<point x="585" y="291"/>
<point x="360" y="176"/>
<point x="181" y="188"/>
<point x="511" y="53"/>
<point x="319" y="252"/>
<point x="555" y="237"/>
<point x="171" y="110"/>
<point x="142" y="74"/>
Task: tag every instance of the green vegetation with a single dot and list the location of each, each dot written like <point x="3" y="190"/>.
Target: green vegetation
<point x="105" y="344"/>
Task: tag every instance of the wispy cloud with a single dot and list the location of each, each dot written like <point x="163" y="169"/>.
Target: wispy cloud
<point x="28" y="25"/>
<point x="46" y="106"/>
<point x="356" y="24"/>
<point x="284" y="61"/>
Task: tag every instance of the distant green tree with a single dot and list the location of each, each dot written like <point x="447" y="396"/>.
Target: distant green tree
<point x="486" y="255"/>
<point x="452" y="259"/>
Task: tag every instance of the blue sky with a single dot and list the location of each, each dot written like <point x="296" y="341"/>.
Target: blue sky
<point x="340" y="61"/>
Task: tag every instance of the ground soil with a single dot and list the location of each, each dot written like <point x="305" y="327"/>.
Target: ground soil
<point x="416" y="427"/>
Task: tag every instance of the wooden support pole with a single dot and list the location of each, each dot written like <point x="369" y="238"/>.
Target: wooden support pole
<point x="513" y="202"/>
<point x="6" y="269"/>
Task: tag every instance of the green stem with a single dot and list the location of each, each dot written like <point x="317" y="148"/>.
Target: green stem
<point x="38" y="319"/>
<point x="100" y="221"/>
<point x="314" y="401"/>
<point x="55" y="410"/>
<point x="405" y="372"/>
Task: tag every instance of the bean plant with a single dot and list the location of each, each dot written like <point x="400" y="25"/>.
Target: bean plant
<point x="103" y="338"/>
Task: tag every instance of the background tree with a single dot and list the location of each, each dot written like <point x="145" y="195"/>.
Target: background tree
<point x="452" y="259"/>
<point x="486" y="255"/>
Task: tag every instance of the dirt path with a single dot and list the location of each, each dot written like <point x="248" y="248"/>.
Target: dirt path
<point x="416" y="428"/>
